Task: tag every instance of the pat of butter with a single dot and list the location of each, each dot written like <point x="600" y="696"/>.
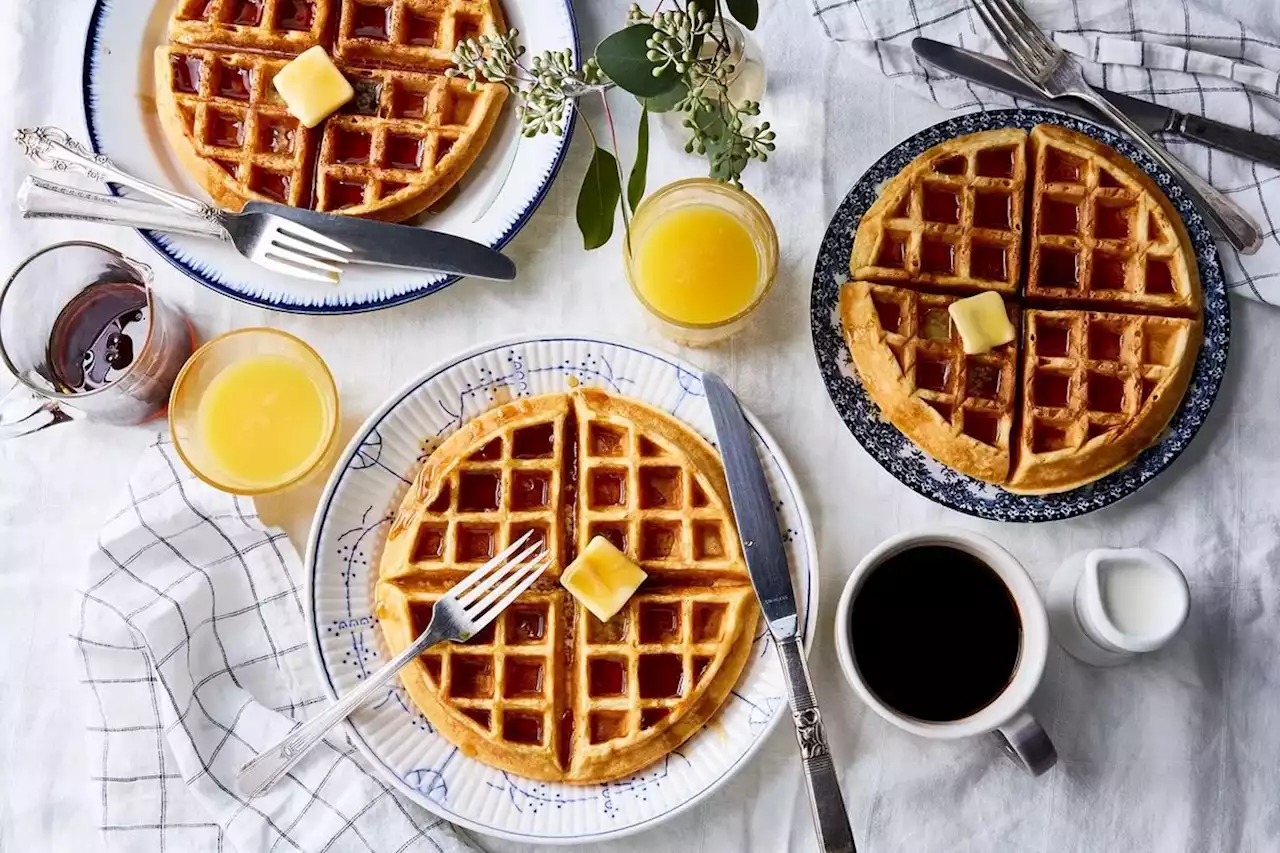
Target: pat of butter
<point x="602" y="578"/>
<point x="312" y="87"/>
<point x="982" y="321"/>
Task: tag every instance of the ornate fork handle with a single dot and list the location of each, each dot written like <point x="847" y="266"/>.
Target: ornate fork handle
<point x="53" y="148"/>
<point x="274" y="762"/>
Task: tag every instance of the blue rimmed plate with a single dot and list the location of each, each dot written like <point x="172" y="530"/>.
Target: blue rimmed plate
<point x="490" y="204"/>
<point x="895" y="452"/>
<point x="343" y="554"/>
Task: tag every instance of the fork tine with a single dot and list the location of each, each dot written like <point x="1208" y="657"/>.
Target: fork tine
<point x="497" y="576"/>
<point x="478" y="574"/>
<point x="525" y="572"/>
<point x="302" y="232"/>
<point x="536" y="571"/>
<point x="1037" y="36"/>
<point x="286" y="268"/>
<point x="306" y="248"/>
<point x="292" y="257"/>
<point x="1014" y="47"/>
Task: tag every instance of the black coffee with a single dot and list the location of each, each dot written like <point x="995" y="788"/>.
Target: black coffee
<point x="936" y="634"/>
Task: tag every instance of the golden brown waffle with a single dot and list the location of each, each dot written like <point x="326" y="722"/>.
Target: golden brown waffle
<point x="1102" y="231"/>
<point x="264" y="26"/>
<point x="550" y="692"/>
<point x="402" y="143"/>
<point x="957" y="408"/>
<point x="412" y="34"/>
<point x="229" y="127"/>
<point x="1097" y="389"/>
<point x="951" y="219"/>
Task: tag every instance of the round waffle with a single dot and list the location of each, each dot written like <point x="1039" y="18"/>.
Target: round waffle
<point x="406" y="139"/>
<point x="1086" y="386"/>
<point x="548" y="691"/>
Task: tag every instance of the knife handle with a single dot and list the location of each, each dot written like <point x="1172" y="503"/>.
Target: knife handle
<point x="42" y="199"/>
<point x="830" y="817"/>
<point x="1250" y="145"/>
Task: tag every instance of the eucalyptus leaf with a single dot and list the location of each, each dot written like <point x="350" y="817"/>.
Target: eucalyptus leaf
<point x="598" y="199"/>
<point x="640" y="168"/>
<point x="666" y="102"/>
<point x="623" y="57"/>
<point x="745" y="12"/>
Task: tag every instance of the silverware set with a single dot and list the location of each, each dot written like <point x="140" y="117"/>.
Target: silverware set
<point x="298" y="243"/>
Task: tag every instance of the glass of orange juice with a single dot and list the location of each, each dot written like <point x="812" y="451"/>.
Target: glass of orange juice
<point x="254" y="411"/>
<point x="702" y="256"/>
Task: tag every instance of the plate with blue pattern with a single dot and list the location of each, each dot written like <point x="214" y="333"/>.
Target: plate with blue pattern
<point x="492" y="202"/>
<point x="344" y="551"/>
<point x="912" y="466"/>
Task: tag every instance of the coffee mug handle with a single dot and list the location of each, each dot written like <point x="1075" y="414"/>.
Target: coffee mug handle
<point x="1027" y="744"/>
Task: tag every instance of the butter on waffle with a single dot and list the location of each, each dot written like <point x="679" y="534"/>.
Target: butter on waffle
<point x="264" y="26"/>
<point x="1103" y="232"/>
<point x="550" y="692"/>
<point x="952" y="218"/>
<point x="958" y="408"/>
<point x="229" y="127"/>
<point x="1097" y="389"/>
<point x="412" y="34"/>
<point x="402" y="143"/>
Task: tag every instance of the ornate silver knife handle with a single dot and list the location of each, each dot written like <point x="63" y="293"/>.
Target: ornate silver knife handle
<point x="39" y="198"/>
<point x="53" y="148"/>
<point x="829" y="813"/>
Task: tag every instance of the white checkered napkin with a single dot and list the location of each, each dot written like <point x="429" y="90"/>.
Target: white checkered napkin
<point x="1184" y="54"/>
<point x="195" y="656"/>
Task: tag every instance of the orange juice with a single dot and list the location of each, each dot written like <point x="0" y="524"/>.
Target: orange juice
<point x="698" y="265"/>
<point x="263" y="420"/>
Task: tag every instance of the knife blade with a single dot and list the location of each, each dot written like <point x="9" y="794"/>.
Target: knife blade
<point x="1153" y="118"/>
<point x="389" y="245"/>
<point x="771" y="576"/>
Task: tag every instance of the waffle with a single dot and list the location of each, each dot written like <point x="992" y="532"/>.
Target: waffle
<point x="1097" y="389"/>
<point x="1102" y="232"/>
<point x="951" y="219"/>
<point x="1110" y="275"/>
<point x="405" y="140"/>
<point x="402" y="143"/>
<point x="229" y="127"/>
<point x="414" y="34"/>
<point x="266" y="26"/>
<point x="549" y="692"/>
<point x="957" y="408"/>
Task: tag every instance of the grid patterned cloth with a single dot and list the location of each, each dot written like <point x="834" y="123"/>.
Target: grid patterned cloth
<point x="193" y="640"/>
<point x="1191" y="55"/>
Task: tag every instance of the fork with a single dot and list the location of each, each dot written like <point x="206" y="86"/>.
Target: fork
<point x="460" y="614"/>
<point x="1057" y="74"/>
<point x="266" y="239"/>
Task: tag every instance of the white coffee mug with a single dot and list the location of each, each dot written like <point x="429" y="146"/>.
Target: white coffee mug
<point x="1005" y="716"/>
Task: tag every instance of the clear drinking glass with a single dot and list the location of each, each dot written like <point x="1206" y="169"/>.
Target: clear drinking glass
<point x="699" y="192"/>
<point x="87" y="337"/>
<point x="211" y="360"/>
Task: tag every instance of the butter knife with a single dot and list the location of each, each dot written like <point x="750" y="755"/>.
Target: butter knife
<point x="1153" y="118"/>
<point x="771" y="576"/>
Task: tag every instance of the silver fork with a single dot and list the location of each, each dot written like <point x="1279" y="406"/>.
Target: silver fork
<point x="461" y="613"/>
<point x="266" y="239"/>
<point x="1058" y="75"/>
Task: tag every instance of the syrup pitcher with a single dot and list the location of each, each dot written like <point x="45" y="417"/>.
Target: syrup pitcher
<point x="87" y="337"/>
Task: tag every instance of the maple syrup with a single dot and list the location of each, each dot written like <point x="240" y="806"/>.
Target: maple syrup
<point x="530" y="490"/>
<point x="296" y="15"/>
<point x="420" y="617"/>
<point x="605" y="440"/>
<point x="932" y="374"/>
<point x="941" y="205"/>
<point x="423" y="30"/>
<point x="442" y="500"/>
<point x="707" y="621"/>
<point x="434" y="665"/>
<point x="1051" y="390"/>
<point x="479" y="491"/>
<point x="996" y="163"/>
<point x="989" y="263"/>
<point x="700" y="667"/>
<point x="658" y="540"/>
<point x="345" y="194"/>
<point x="936" y="325"/>
<point x="351" y="147"/>
<point x="1108" y="272"/>
<point x="1106" y="179"/>
<point x="1148" y="388"/>
<point x="404" y="152"/>
<point x="534" y="442"/>
<point x="982" y="427"/>
<point x="1060" y="217"/>
<point x="606" y="726"/>
<point x="1062" y="168"/>
<point x="226" y="131"/>
<point x="564" y="739"/>
<point x="659" y="623"/>
<point x="526" y="625"/>
<point x="607" y="633"/>
<point x="649" y="449"/>
<point x="490" y="452"/>
<point x="472" y="677"/>
<point x="372" y="22"/>
<point x="698" y="497"/>
<point x="480" y="716"/>
<point x="1106" y="393"/>
<point x="660" y="676"/>
<point x="248" y="13"/>
<point x="235" y="83"/>
<point x="523" y="678"/>
<point x="277" y="135"/>
<point x="1052" y="341"/>
<point x="1104" y="343"/>
<point x="444" y="145"/>
<point x="522" y="727"/>
<point x="1059" y="268"/>
<point x="982" y="380"/>
<point x="274" y="186"/>
<point x="993" y="210"/>
<point x="475" y="543"/>
<point x="608" y="488"/>
<point x="660" y="488"/>
<point x="937" y="257"/>
<point x="484" y="637"/>
<point x="1159" y="279"/>
<point x="430" y="543"/>
<point x="1111" y="222"/>
<point x="606" y="677"/>
<point x="410" y="104"/>
<point x="537" y="534"/>
<point x="950" y="166"/>
<point x="943" y="409"/>
<point x="650" y="717"/>
<point x="1046" y="438"/>
<point x="97" y="335"/>
<point x="889" y="314"/>
<point x="893" y="251"/>
<point x="187" y="71"/>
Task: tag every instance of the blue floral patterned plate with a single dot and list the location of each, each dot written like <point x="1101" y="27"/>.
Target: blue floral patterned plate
<point x="895" y="452"/>
<point x="346" y="541"/>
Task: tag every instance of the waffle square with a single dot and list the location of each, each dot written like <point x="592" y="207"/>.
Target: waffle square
<point x="550" y="692"/>
<point x="264" y="26"/>
<point x="411" y="34"/>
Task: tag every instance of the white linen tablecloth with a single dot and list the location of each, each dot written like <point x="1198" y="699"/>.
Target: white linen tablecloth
<point x="1175" y="753"/>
